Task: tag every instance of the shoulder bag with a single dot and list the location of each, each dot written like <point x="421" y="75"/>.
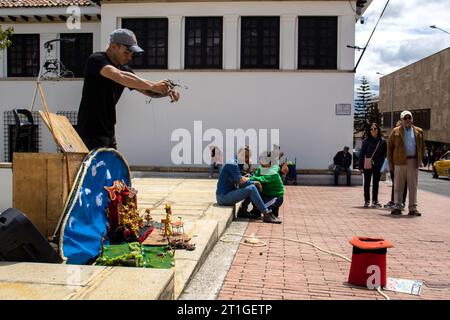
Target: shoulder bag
<point x="368" y="161"/>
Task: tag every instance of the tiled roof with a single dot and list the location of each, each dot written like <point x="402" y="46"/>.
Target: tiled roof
<point x="42" y="3"/>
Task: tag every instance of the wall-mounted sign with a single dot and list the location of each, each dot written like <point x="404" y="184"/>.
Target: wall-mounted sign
<point x="343" y="109"/>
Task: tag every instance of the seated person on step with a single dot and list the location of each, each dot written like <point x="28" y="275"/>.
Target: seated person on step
<point x="232" y="187"/>
<point x="343" y="161"/>
<point x="268" y="174"/>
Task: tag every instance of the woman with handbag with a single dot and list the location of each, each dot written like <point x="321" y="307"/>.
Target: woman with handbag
<point x="373" y="153"/>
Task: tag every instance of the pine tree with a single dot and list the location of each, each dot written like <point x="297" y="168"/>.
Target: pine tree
<point x="362" y="101"/>
<point x="373" y="116"/>
<point x="4" y="37"/>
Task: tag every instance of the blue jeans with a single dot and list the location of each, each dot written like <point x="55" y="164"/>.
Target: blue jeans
<point x="337" y="170"/>
<point x="272" y="203"/>
<point x="233" y="197"/>
<point x="211" y="168"/>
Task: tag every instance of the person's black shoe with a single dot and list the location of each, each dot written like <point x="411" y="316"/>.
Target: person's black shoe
<point x="396" y="212"/>
<point x="243" y="214"/>
<point x="414" y="213"/>
<point x="255" y="214"/>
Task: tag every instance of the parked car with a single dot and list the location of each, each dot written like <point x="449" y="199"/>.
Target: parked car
<point x="441" y="167"/>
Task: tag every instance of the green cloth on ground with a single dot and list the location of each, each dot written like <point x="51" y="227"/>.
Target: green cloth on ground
<point x="270" y="179"/>
<point x="136" y="255"/>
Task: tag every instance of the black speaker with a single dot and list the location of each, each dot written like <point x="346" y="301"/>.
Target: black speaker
<point x="20" y="240"/>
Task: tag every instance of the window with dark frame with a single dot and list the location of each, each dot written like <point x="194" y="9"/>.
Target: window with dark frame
<point x="203" y="43"/>
<point x="386" y="119"/>
<point x="74" y="55"/>
<point x="260" y="43"/>
<point x="422" y="118"/>
<point x="152" y="36"/>
<point x="317" y="43"/>
<point x="23" y="56"/>
<point x="396" y="115"/>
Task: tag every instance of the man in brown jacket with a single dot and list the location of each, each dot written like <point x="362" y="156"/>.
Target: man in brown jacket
<point x="406" y="148"/>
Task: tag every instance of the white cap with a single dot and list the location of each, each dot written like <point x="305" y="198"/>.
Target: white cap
<point x="405" y="113"/>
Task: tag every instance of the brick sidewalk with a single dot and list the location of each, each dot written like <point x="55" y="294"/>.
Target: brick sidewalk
<point x="329" y="217"/>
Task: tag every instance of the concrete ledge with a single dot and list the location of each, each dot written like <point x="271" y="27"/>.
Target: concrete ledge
<point x="39" y="281"/>
<point x="325" y="172"/>
<point x="169" y="169"/>
<point x="205" y="235"/>
<point x="204" y="169"/>
<point x="326" y="180"/>
<point x="222" y="214"/>
<point x="5" y="165"/>
<point x="205" y="222"/>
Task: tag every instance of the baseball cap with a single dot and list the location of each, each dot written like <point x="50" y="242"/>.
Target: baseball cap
<point x="127" y="38"/>
<point x="405" y="113"/>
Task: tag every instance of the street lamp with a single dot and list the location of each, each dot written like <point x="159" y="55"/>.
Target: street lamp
<point x="381" y="74"/>
<point x="434" y="27"/>
<point x="355" y="47"/>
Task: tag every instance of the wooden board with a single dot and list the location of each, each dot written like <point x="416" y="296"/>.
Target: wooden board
<point x="157" y="239"/>
<point x="65" y="135"/>
<point x="40" y="187"/>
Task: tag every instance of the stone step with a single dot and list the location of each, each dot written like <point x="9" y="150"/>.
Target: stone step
<point x="41" y="281"/>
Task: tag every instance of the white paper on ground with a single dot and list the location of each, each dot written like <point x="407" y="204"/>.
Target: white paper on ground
<point x="405" y="286"/>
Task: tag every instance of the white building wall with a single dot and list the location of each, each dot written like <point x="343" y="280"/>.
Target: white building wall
<point x="49" y="31"/>
<point x="63" y="95"/>
<point x="301" y="104"/>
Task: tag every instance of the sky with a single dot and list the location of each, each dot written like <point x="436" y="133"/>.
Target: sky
<point x="403" y="36"/>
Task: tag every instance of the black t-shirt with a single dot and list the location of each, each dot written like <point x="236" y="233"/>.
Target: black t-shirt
<point x="97" y="112"/>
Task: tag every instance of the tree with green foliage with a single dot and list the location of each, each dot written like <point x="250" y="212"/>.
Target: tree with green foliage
<point x="363" y="99"/>
<point x="5" y="41"/>
<point x="373" y="115"/>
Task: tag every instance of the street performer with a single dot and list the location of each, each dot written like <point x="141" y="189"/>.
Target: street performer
<point x="106" y="76"/>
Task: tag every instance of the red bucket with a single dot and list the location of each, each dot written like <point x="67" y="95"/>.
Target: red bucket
<point x="368" y="254"/>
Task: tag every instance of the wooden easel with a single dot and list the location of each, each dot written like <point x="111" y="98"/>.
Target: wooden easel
<point x="63" y="133"/>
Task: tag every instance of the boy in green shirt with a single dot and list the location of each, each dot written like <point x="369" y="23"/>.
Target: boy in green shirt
<point x="272" y="186"/>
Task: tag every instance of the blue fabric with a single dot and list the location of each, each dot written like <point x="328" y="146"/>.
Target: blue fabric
<point x="410" y="142"/>
<point x="229" y="177"/>
<point x="85" y="217"/>
<point x="235" y="196"/>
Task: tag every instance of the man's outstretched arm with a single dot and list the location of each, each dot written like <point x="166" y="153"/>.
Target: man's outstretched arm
<point x="130" y="80"/>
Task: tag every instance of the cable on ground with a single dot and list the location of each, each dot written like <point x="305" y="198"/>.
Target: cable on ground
<point x="252" y="241"/>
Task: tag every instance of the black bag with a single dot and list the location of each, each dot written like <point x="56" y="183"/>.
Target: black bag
<point x="20" y="240"/>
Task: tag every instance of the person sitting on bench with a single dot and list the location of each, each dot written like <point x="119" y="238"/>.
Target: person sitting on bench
<point x="343" y="161"/>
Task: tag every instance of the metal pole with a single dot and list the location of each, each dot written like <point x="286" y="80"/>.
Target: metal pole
<point x="36" y="90"/>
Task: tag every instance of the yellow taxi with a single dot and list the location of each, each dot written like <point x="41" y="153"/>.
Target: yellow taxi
<point x="442" y="166"/>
